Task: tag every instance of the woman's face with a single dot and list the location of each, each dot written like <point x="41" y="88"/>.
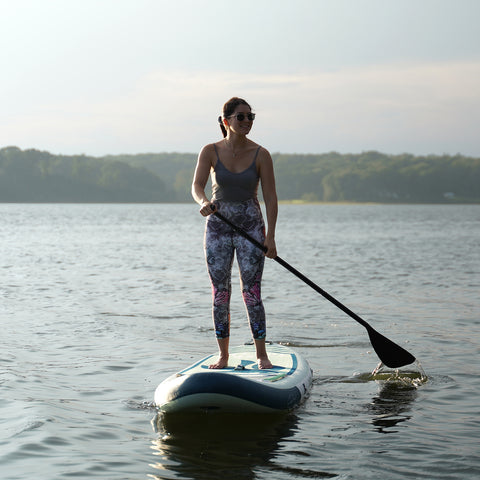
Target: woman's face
<point x="239" y="122"/>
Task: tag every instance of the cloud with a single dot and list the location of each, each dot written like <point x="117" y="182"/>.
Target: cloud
<point x="420" y="108"/>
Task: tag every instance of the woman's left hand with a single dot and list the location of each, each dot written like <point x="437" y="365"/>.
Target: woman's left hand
<point x="207" y="208"/>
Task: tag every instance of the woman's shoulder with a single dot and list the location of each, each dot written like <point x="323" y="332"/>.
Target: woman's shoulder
<point x="253" y="146"/>
<point x="209" y="151"/>
<point x="210" y="147"/>
<point x="263" y="154"/>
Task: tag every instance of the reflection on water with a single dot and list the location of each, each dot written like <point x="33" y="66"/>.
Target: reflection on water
<point x="216" y="445"/>
<point x="223" y="446"/>
<point x="398" y="390"/>
<point x="391" y="406"/>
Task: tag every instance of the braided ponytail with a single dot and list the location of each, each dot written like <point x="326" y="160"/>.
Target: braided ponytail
<point x="222" y="126"/>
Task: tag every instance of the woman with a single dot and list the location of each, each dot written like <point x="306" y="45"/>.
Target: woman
<point x="237" y="165"/>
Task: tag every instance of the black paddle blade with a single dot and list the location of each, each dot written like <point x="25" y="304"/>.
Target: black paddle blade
<point x="391" y="354"/>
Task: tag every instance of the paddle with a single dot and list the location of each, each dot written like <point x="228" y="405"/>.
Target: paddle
<point x="391" y="354"/>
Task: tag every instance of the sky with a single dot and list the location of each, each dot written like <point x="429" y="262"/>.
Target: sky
<point x="101" y="77"/>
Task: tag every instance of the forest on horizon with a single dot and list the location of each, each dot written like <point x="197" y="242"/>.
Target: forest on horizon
<point x="31" y="176"/>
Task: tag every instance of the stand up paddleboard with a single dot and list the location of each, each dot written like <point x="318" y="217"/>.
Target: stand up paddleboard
<point x="242" y="386"/>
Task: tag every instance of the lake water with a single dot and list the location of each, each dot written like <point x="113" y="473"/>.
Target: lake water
<point x="100" y="303"/>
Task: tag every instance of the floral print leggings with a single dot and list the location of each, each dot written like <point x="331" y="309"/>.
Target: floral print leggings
<point x="221" y="243"/>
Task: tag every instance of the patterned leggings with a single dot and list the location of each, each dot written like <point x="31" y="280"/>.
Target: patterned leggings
<point x="221" y="242"/>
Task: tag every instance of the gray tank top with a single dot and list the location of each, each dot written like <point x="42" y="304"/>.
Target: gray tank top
<point x="234" y="187"/>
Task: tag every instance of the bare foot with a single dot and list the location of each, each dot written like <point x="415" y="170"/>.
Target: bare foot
<point x="222" y="362"/>
<point x="264" y="363"/>
<point x="262" y="358"/>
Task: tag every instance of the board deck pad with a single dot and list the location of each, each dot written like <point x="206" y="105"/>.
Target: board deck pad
<point x="244" y="361"/>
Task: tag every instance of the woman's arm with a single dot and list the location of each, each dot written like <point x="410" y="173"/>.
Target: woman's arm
<point x="200" y="178"/>
<point x="269" y="191"/>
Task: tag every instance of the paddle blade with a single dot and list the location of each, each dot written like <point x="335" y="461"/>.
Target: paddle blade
<point x="391" y="354"/>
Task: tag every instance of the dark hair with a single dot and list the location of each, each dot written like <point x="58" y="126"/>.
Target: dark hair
<point x="229" y="109"/>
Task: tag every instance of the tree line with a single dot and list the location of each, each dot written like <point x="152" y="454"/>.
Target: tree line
<point x="38" y="176"/>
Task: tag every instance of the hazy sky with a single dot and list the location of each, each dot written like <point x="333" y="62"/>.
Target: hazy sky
<point x="130" y="76"/>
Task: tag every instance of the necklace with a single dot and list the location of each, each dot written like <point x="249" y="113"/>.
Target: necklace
<point x="230" y="147"/>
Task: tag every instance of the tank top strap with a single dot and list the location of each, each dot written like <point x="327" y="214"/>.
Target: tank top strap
<point x="216" y="153"/>
<point x="256" y="154"/>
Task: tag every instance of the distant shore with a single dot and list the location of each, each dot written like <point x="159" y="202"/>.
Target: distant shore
<point x="32" y="176"/>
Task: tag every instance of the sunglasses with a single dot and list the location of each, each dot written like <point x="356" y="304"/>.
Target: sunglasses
<point x="241" y="116"/>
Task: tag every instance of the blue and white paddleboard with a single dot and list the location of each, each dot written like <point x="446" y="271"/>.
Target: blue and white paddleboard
<point x="242" y="386"/>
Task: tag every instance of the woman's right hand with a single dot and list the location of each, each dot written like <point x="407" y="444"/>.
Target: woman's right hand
<point x="207" y="208"/>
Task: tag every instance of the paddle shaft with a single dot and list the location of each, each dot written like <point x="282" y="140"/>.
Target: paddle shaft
<point x="293" y="270"/>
